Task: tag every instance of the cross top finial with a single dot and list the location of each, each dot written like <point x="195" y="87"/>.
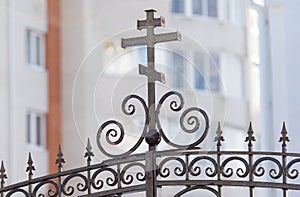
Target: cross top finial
<point x="150" y="21"/>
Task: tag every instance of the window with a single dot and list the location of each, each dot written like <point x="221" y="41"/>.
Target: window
<point x="178" y="6"/>
<point x="199" y="71"/>
<point x="178" y="64"/>
<point x="196" y="7"/>
<point x="35" y="43"/>
<point x="214" y="75"/>
<point x="212" y="8"/>
<point x="36" y="129"/>
<point x="207" y="71"/>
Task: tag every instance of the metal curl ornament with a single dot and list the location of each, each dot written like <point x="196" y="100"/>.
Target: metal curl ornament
<point x="120" y="133"/>
<point x="80" y="186"/>
<point x="165" y="172"/>
<point x="191" y="120"/>
<point x="174" y="106"/>
<point x="292" y="174"/>
<point x="196" y="170"/>
<point x="128" y="179"/>
<point x="239" y="172"/>
<point x="272" y="172"/>
<point x="99" y="184"/>
<point x="51" y="182"/>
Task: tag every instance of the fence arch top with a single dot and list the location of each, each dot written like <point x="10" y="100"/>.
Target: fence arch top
<point x="186" y="168"/>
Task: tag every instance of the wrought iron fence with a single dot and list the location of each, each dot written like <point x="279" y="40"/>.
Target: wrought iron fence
<point x="191" y="168"/>
<point x="185" y="168"/>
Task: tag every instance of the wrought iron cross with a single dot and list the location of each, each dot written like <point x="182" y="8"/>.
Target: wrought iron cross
<point x="152" y="136"/>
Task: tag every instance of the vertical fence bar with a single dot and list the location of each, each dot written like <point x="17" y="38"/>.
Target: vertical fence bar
<point x="59" y="161"/>
<point x="30" y="168"/>
<point x="151" y="190"/>
<point x="187" y="175"/>
<point x="3" y="176"/>
<point x="119" y="178"/>
<point x="218" y="139"/>
<point x="89" y="154"/>
<point x="284" y="138"/>
<point x="250" y="138"/>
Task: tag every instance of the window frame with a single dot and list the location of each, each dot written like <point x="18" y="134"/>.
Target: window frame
<point x="35" y="44"/>
<point x="179" y="70"/>
<point x="208" y="62"/>
<point x="36" y="129"/>
<point x="188" y="9"/>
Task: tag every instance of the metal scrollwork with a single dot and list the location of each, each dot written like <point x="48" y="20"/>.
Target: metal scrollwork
<point x="196" y="170"/>
<point x="192" y="121"/>
<point x="79" y="186"/>
<point x="128" y="179"/>
<point x="110" y="181"/>
<point x="119" y="133"/>
<point x="260" y="171"/>
<point x="178" y="171"/>
<point x="292" y="174"/>
<point x="240" y="172"/>
<point x="51" y="192"/>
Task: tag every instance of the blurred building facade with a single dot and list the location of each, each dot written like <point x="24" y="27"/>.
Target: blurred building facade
<point x="27" y="92"/>
<point x="279" y="69"/>
<point x="71" y="74"/>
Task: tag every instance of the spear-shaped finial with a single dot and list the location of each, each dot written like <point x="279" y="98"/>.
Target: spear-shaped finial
<point x="284" y="138"/>
<point x="3" y="176"/>
<point x="219" y="136"/>
<point x="250" y="138"/>
<point x="60" y="160"/>
<point x="30" y="168"/>
<point x="89" y="154"/>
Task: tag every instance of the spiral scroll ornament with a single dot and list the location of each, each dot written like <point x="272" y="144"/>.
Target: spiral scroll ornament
<point x="240" y="172"/>
<point x="192" y="121"/>
<point x="140" y="175"/>
<point x="195" y="170"/>
<point x="164" y="171"/>
<point x="111" y="178"/>
<point x="294" y="172"/>
<point x="273" y="173"/>
<point x="80" y="186"/>
<point x="114" y="130"/>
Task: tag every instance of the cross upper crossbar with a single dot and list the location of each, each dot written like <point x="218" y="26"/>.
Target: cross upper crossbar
<point x="150" y="23"/>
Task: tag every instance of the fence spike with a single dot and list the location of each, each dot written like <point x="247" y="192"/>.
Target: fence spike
<point x="250" y="138"/>
<point x="3" y="176"/>
<point x="89" y="153"/>
<point x="30" y="168"/>
<point x="284" y="138"/>
<point x="219" y="136"/>
<point x="60" y="160"/>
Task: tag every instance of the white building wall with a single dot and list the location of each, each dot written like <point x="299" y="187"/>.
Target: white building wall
<point x="284" y="44"/>
<point x="24" y="89"/>
<point x="4" y="82"/>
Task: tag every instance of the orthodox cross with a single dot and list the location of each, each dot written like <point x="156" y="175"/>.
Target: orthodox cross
<point x="150" y="40"/>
